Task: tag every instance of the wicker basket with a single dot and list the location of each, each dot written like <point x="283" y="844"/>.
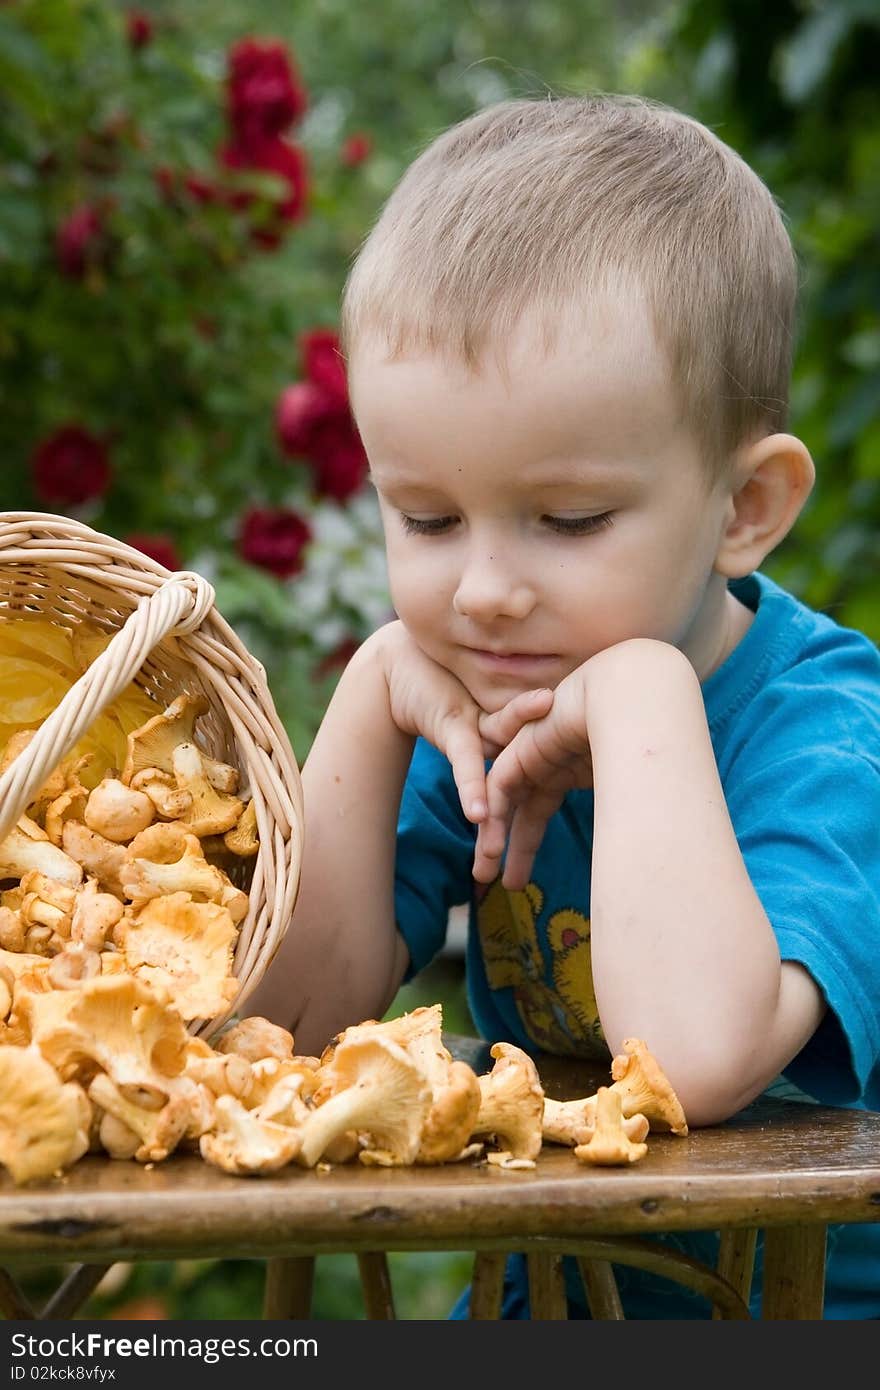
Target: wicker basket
<point x="170" y="638"/>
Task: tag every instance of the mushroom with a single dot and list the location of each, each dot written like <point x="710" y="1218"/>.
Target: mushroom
<point x="573" y="1121"/>
<point x="28" y="847"/>
<point x="117" y="812"/>
<point x="44" y="1122"/>
<point x="256" y="1038"/>
<point x="70" y="804"/>
<point x="115" y="1023"/>
<point x="159" y="1131"/>
<point x="100" y="858"/>
<point x="212" y="812"/>
<point x="223" y="1075"/>
<point x="243" y="838"/>
<point x="47" y="902"/>
<point x="454" y="1086"/>
<point x="185" y="948"/>
<point x="153" y="744"/>
<point x="379" y="1092"/>
<point x="243" y="1142"/>
<point x="168" y="858"/>
<point x="12" y="929"/>
<point x="167" y="798"/>
<point x="95" y="914"/>
<point x="70" y="968"/>
<point x="609" y="1144"/>
<point x="643" y="1088"/>
<point x="512" y="1103"/>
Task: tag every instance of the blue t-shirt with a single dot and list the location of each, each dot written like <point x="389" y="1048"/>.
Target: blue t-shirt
<point x="794" y="716"/>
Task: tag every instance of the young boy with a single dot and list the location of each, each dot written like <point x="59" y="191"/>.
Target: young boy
<point x="568" y="341"/>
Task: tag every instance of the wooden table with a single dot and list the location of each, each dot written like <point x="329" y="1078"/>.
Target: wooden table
<point x="786" y="1168"/>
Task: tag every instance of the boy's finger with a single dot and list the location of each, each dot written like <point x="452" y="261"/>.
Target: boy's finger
<point x="466" y="757"/>
<point x="499" y="728"/>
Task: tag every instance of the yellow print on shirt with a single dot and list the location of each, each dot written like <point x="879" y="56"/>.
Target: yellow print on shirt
<point x="561" y="1017"/>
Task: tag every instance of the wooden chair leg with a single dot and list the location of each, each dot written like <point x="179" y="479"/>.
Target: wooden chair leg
<point x="13" y="1304"/>
<point x="600" y="1287"/>
<point x="546" y="1288"/>
<point x="288" y="1287"/>
<point x="736" y="1262"/>
<point x="376" y="1286"/>
<point x="70" y="1295"/>
<point x="794" y="1273"/>
<point x="487" y="1285"/>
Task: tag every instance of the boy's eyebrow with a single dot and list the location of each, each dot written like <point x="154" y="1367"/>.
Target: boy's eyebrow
<point x="545" y="474"/>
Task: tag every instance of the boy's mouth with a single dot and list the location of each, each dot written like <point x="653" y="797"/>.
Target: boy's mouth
<point x="512" y="661"/>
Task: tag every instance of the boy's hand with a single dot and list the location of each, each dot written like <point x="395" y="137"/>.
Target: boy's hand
<point x="427" y="700"/>
<point x="528" y="782"/>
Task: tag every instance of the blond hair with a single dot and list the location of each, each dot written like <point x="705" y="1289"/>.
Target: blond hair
<point x="537" y="205"/>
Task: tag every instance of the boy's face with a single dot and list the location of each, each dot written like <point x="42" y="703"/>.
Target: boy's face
<point x="535" y="519"/>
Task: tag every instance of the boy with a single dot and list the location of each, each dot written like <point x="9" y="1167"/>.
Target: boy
<point x="568" y="340"/>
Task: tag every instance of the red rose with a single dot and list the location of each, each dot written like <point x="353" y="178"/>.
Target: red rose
<point x="265" y="95"/>
<point x="274" y="539"/>
<point x="71" y="466"/>
<point x="78" y="240"/>
<point x="138" y="28"/>
<point x="356" y="149"/>
<point x="271" y="157"/>
<point x="300" y="409"/>
<point x="324" y="364"/>
<point x="159" y="548"/>
<point x="338" y="459"/>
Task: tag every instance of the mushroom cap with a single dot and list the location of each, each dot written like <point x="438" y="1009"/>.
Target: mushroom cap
<point x="115" y="1023"/>
<point x="44" y="1122"/>
<point x="512" y="1102"/>
<point x="165" y="858"/>
<point x="645" y="1089"/>
<point x="211" y="812"/>
<point x="116" y="811"/>
<point x="256" y="1038"/>
<point x="243" y="839"/>
<point x="185" y="948"/>
<point x="153" y="743"/>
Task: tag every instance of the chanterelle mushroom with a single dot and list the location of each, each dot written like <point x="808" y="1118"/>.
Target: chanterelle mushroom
<point x="573" y="1121"/>
<point x="117" y="812"/>
<point x="379" y="1092"/>
<point x="211" y="812"/>
<point x="153" y="744"/>
<point x="609" y="1144"/>
<point x="455" y="1090"/>
<point x="256" y="1038"/>
<point x="185" y="948"/>
<point x="27" y="847"/>
<point x="114" y="1022"/>
<point x="644" y="1088"/>
<point x="512" y="1102"/>
<point x="243" y="1142"/>
<point x="44" y="1122"/>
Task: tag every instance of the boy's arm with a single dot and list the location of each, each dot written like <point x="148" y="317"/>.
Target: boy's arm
<point x="342" y="958"/>
<point x="683" y="954"/>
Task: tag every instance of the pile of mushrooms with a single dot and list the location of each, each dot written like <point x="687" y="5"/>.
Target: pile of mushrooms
<point x="131" y="875"/>
<point x="107" y="1066"/>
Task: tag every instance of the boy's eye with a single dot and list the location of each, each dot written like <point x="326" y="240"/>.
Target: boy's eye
<point x="426" y="526"/>
<point x="579" y="525"/>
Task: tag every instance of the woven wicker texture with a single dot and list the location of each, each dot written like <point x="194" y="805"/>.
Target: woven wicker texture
<point x="170" y="639"/>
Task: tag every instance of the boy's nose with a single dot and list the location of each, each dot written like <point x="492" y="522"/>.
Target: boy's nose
<point x="487" y="589"/>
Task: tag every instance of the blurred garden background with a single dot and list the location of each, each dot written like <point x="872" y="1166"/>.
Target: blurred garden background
<point x="182" y="188"/>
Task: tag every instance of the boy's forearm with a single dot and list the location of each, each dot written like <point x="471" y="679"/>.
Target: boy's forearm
<point x="342" y="959"/>
<point x="683" y="953"/>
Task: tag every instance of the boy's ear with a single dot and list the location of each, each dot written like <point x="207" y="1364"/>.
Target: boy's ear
<point x="771" y="481"/>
